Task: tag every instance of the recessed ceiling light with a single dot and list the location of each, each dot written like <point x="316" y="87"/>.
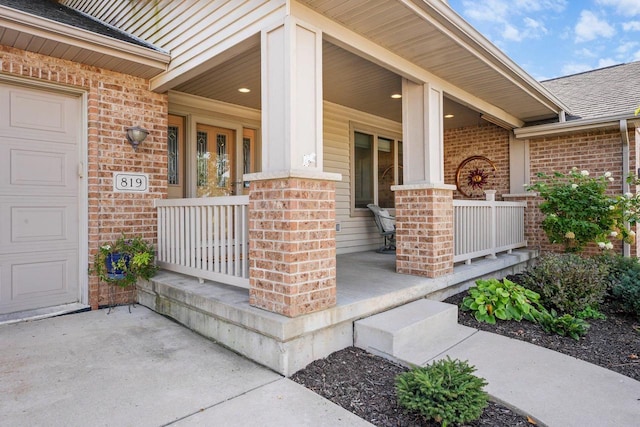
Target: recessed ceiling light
<point x="396" y="96"/>
<point x="448" y="116"/>
<point x="244" y="90"/>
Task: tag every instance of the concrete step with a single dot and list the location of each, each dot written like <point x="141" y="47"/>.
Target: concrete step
<point x="417" y="331"/>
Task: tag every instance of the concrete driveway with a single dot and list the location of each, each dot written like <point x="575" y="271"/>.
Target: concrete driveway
<point x="142" y="369"/>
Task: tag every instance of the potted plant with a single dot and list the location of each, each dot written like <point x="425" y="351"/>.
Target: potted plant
<point x="125" y="261"/>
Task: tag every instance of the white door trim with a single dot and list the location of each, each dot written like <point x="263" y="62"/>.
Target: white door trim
<point x="83" y="189"/>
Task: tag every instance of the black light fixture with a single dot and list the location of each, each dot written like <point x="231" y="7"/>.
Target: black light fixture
<point x="135" y="136"/>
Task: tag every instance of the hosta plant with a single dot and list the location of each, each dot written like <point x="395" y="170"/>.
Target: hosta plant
<point x="492" y="299"/>
<point x="445" y="391"/>
<point x="565" y="325"/>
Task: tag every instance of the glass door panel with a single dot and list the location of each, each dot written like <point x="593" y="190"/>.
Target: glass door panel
<point x="214" y="161"/>
<point x="175" y="157"/>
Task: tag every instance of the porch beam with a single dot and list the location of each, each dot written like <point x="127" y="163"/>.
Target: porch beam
<point x="369" y="50"/>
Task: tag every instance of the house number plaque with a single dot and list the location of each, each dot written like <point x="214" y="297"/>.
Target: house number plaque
<point x="130" y="182"/>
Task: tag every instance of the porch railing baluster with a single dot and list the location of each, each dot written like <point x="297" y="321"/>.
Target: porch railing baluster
<point x="205" y="237"/>
<point x="486" y="227"/>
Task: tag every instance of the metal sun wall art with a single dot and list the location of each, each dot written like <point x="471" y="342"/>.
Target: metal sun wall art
<point x="473" y="176"/>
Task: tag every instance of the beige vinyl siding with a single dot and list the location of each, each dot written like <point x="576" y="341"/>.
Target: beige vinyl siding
<point x="192" y="31"/>
<point x="358" y="231"/>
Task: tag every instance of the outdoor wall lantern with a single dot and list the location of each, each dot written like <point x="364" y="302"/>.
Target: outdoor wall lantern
<point x="136" y="135"/>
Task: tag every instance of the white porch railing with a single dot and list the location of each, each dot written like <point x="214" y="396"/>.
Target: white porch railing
<point x="485" y="228"/>
<point x="207" y="238"/>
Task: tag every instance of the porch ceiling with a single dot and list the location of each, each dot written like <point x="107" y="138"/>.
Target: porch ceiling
<point x="349" y="80"/>
<point x="430" y="34"/>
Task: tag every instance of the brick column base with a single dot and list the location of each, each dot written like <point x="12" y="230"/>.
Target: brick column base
<point x="292" y="244"/>
<point x="424" y="229"/>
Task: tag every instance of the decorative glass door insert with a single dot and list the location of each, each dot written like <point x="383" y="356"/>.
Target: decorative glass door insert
<point x="214" y="161"/>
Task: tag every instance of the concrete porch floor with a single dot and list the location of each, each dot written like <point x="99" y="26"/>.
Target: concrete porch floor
<point x="366" y="284"/>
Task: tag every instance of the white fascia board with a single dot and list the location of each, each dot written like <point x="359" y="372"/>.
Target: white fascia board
<point x="573" y="126"/>
<point x="365" y="48"/>
<point x="78" y="37"/>
<point x="456" y="28"/>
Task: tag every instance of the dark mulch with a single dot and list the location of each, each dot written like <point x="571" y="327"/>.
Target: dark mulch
<point x="364" y="383"/>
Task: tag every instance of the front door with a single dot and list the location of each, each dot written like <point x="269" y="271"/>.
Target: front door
<point x="39" y="198"/>
<point x="215" y="165"/>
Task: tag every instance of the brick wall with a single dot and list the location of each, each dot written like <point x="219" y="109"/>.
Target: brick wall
<point x="292" y="250"/>
<point x="486" y="140"/>
<point x="114" y="101"/>
<point x="596" y="151"/>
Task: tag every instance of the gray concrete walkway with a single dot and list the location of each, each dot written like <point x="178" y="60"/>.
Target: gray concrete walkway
<point x="142" y="369"/>
<point x="555" y="389"/>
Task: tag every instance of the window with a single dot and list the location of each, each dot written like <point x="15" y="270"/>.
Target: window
<point x="377" y="165"/>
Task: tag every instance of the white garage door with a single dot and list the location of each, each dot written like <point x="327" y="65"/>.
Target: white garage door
<point x="39" y="187"/>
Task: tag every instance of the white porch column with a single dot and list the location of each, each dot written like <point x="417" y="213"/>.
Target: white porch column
<point x="292" y="244"/>
<point x="424" y="204"/>
<point x="292" y="97"/>
<point x="518" y="164"/>
<point x="423" y="134"/>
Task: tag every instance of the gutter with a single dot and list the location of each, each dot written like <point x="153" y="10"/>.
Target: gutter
<point x="624" y="136"/>
<point x="81" y="38"/>
<point x="575" y="126"/>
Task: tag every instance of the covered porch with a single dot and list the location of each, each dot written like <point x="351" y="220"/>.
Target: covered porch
<point x="367" y="283"/>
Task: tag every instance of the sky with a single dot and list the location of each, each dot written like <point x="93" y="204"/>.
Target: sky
<point x="553" y="38"/>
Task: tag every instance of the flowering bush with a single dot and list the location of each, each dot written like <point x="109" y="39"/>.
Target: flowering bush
<point x="578" y="210"/>
<point x="129" y="258"/>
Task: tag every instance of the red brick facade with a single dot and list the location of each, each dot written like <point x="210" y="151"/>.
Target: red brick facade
<point x="292" y="247"/>
<point x="114" y="102"/>
<point x="486" y="140"/>
<point x="424" y="234"/>
<point x="597" y="151"/>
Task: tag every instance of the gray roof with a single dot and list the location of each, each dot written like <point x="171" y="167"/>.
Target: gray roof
<point x="605" y="92"/>
<point x="54" y="11"/>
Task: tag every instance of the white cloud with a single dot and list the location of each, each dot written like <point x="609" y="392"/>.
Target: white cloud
<point x="587" y="53"/>
<point x="535" y="28"/>
<point x="590" y="27"/>
<point x="511" y="33"/>
<point x="626" y="47"/>
<point x="631" y="26"/>
<point x="508" y="13"/>
<point x="623" y="7"/>
<point x="607" y="62"/>
<point x="538" y="5"/>
<point x="489" y="11"/>
<point x="575" y="68"/>
<point x="636" y="57"/>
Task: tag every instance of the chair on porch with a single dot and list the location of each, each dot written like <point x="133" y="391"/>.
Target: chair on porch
<point x="386" y="226"/>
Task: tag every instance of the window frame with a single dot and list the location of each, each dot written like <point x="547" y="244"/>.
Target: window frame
<point x="376" y="132"/>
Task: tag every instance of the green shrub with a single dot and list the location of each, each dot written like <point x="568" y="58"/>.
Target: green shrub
<point x="617" y="266"/>
<point x="623" y="281"/>
<point x="492" y="299"/>
<point x="627" y="292"/>
<point x="565" y="325"/>
<point x="567" y="282"/>
<point x="445" y="391"/>
<point x="590" y="313"/>
<point x="578" y="210"/>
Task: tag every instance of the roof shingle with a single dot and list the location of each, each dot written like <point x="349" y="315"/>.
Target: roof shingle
<point x="599" y="93"/>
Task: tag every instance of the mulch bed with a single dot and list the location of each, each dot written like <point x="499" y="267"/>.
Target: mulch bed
<point x="365" y="384"/>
